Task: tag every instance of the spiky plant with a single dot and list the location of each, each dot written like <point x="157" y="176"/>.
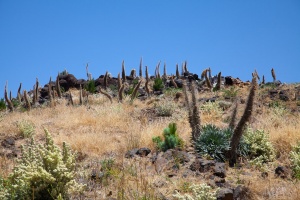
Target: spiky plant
<point x="50" y="93"/>
<point x="106" y="94"/>
<point x="256" y="74"/>
<point x="207" y="80"/>
<point x="263" y="80"/>
<point x="8" y="101"/>
<point x="27" y="102"/>
<point x="209" y="73"/>
<point x="182" y="69"/>
<point x="121" y="96"/>
<point x="119" y="81"/>
<point x="193" y="112"/>
<point x="135" y="90"/>
<point x="57" y="86"/>
<point x="105" y="80"/>
<point x="218" y="85"/>
<point x="123" y="72"/>
<point x="203" y="73"/>
<point x="165" y="71"/>
<point x="185" y="67"/>
<point x="19" y="95"/>
<point x="177" y="71"/>
<point x="273" y="74"/>
<point x="157" y="73"/>
<point x="147" y="74"/>
<point x="36" y="92"/>
<point x="141" y="68"/>
<point x="147" y="88"/>
<point x="233" y="115"/>
<point x="238" y="131"/>
<point x="173" y="82"/>
<point x="171" y="139"/>
<point x="80" y="95"/>
<point x="133" y="73"/>
<point x="71" y="98"/>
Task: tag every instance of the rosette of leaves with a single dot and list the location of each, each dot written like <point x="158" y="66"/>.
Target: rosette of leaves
<point x="215" y="142"/>
<point x="171" y="138"/>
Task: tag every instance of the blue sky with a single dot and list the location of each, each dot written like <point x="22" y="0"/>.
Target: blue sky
<point x="41" y="38"/>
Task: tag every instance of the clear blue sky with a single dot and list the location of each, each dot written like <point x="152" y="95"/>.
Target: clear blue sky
<point x="40" y="38"/>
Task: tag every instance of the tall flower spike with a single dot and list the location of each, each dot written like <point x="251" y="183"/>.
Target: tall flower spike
<point x="123" y="72"/>
<point x="141" y="66"/>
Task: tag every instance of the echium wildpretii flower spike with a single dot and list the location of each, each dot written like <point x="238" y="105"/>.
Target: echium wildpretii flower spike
<point x="27" y="102"/>
<point x="135" y="90"/>
<point x="123" y="72"/>
<point x="177" y="71"/>
<point x="141" y="66"/>
<point x="57" y="86"/>
<point x="19" y="95"/>
<point x="8" y="101"/>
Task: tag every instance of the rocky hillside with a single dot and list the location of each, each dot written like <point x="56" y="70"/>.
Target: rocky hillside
<point x="160" y="137"/>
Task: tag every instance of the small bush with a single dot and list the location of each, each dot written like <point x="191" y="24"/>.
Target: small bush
<point x="231" y="93"/>
<point x="261" y="149"/>
<point x="26" y="128"/>
<point x="215" y="142"/>
<point x="164" y="109"/>
<point x="2" y="104"/>
<point x="199" y="192"/>
<point x="131" y="88"/>
<point x="211" y="108"/>
<point x="295" y="160"/>
<point x="43" y="172"/>
<point x="108" y="170"/>
<point x="171" y="139"/>
<point x="91" y="86"/>
<point x="158" y="84"/>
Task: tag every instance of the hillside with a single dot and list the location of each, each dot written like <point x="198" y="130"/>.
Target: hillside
<point x="110" y="123"/>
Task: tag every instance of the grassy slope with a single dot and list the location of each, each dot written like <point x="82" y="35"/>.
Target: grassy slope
<point x="102" y="130"/>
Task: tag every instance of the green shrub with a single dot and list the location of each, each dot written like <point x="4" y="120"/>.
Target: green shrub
<point x="26" y="128"/>
<point x="231" y="93"/>
<point x="131" y="88"/>
<point x="108" y="170"/>
<point x="158" y="84"/>
<point x="215" y="142"/>
<point x="43" y="172"/>
<point x="2" y="104"/>
<point x="295" y="160"/>
<point x="171" y="139"/>
<point x="261" y="149"/>
<point x="91" y="86"/>
<point x="199" y="192"/>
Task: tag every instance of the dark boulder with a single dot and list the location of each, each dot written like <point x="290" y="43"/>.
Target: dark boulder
<point x="142" y="152"/>
<point x="202" y="165"/>
<point x="219" y="170"/>
<point x="225" y="194"/>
